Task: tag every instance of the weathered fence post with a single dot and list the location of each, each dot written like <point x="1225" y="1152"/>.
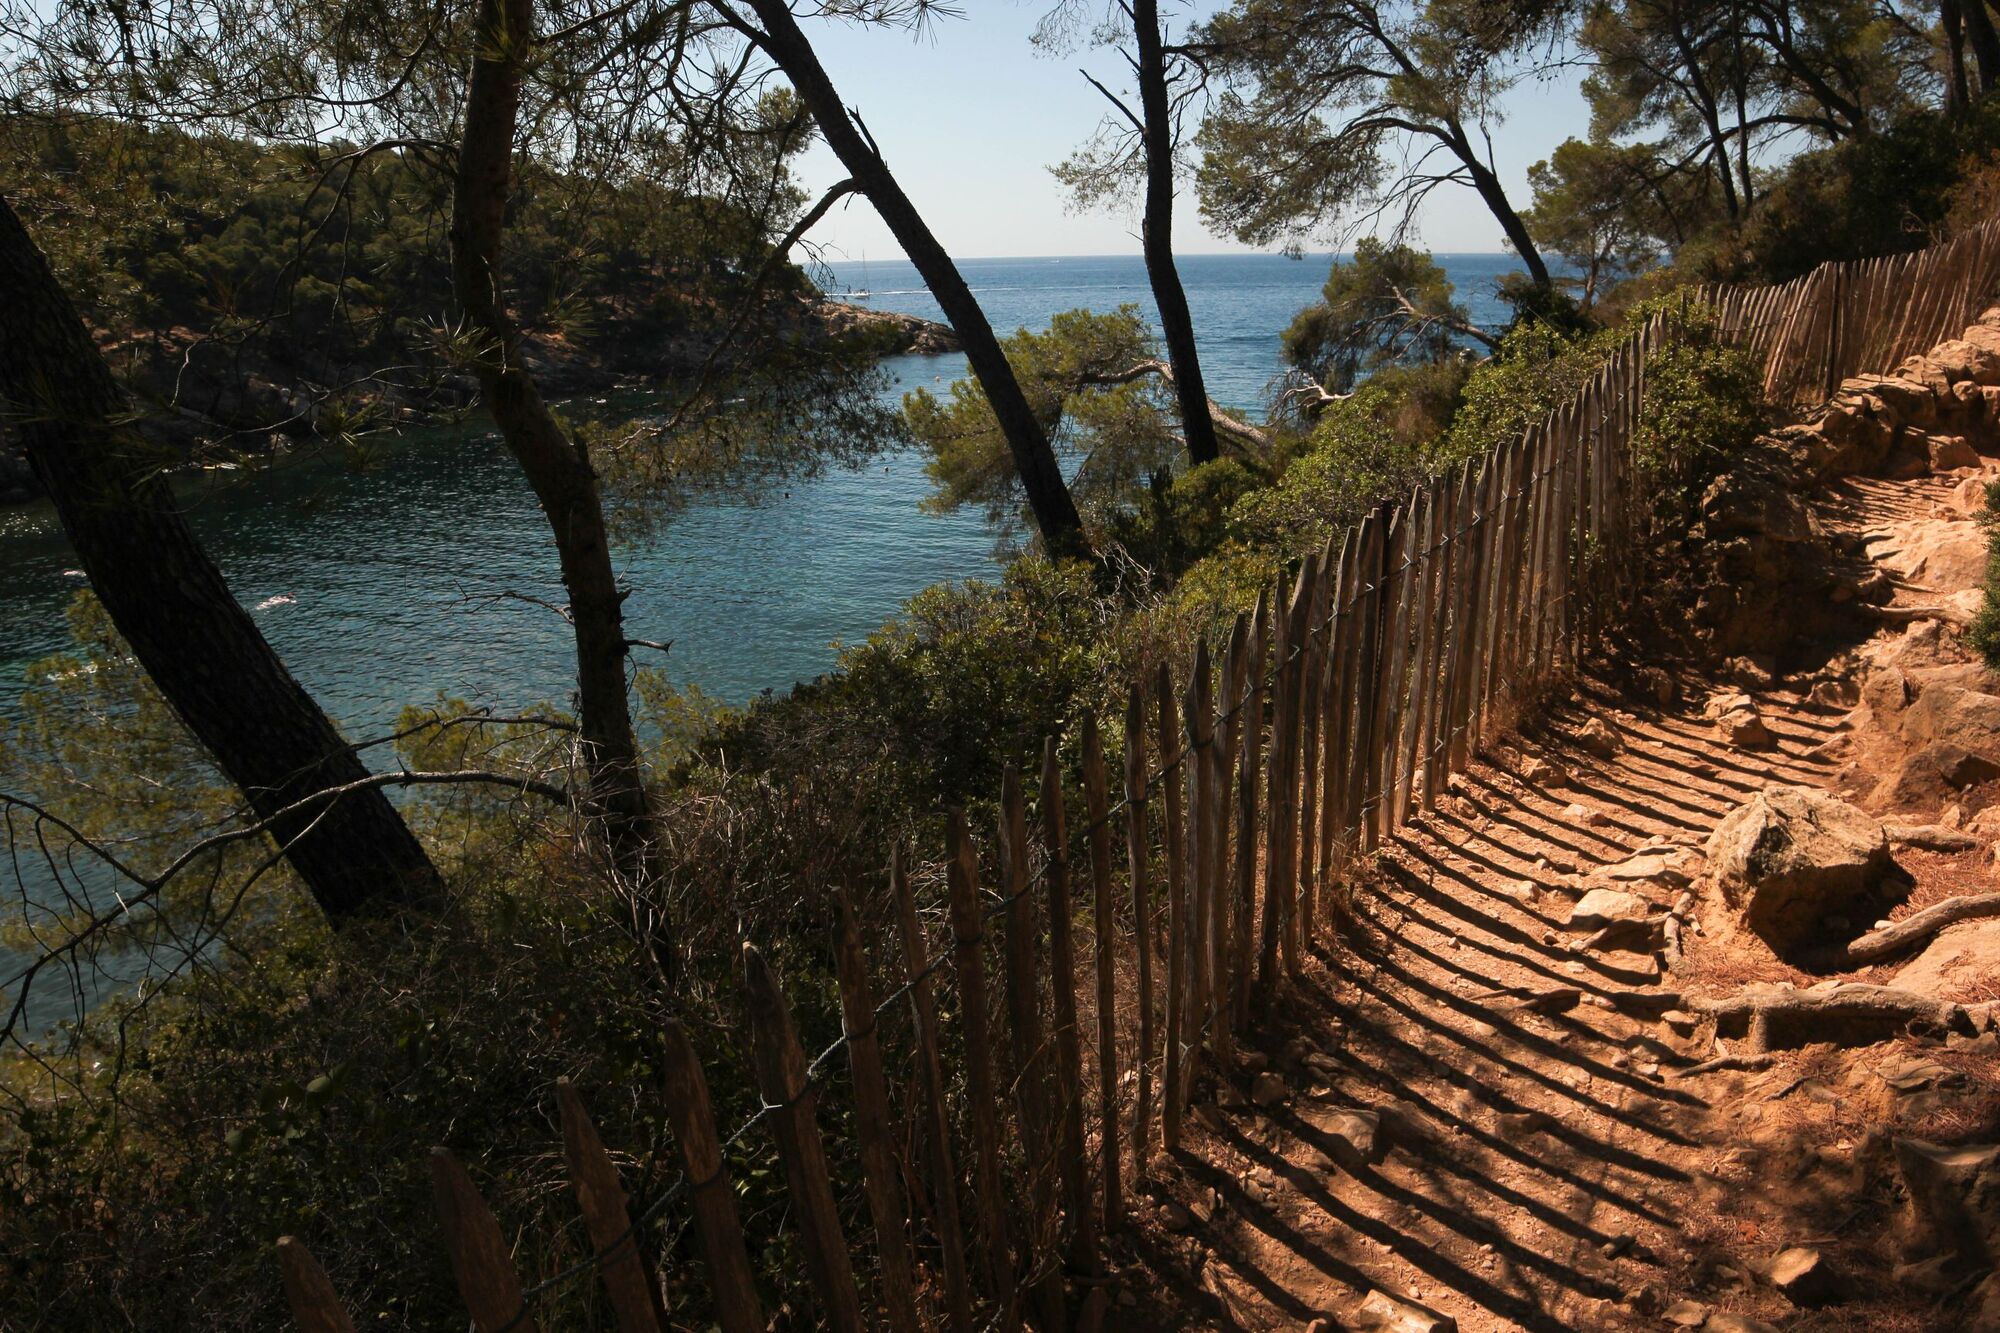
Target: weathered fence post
<point x="1200" y="726"/>
<point x="1138" y="855"/>
<point x="1097" y="809"/>
<point x="1172" y="756"/>
<point x="1031" y="1058"/>
<point x="315" y="1305"/>
<point x="480" y="1262"/>
<point x="614" y="1239"/>
<point x="1068" y="1082"/>
<point x="872" y="1124"/>
<point x="1249" y="764"/>
<point x="1235" y="664"/>
<point x="937" y="1119"/>
<point x="968" y="933"/>
<point x="737" y="1308"/>
<point x="784" y="1081"/>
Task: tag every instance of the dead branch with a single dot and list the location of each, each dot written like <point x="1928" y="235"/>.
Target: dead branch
<point x="1721" y="1062"/>
<point x="1241" y="432"/>
<point x="1918" y="928"/>
<point x="1312" y="397"/>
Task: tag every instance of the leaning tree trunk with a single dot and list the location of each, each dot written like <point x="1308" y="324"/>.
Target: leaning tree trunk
<point x="353" y="852"/>
<point x="1157" y="236"/>
<point x="1984" y="39"/>
<point x="1034" y="460"/>
<point x="558" y="468"/>
<point x="1957" y="88"/>
<point x="1495" y="196"/>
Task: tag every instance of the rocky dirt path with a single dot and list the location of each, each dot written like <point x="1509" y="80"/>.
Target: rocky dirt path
<point x="1475" y="1116"/>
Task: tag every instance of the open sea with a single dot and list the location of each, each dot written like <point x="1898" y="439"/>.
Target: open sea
<point x="395" y="584"/>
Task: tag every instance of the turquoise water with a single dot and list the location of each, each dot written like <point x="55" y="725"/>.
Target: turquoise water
<point x="392" y="585"/>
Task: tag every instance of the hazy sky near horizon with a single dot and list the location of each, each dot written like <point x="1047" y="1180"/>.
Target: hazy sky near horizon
<point x="971" y="116"/>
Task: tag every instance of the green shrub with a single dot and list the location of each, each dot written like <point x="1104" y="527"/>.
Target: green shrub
<point x="1538" y="367"/>
<point x="1984" y="634"/>
<point x="1703" y="406"/>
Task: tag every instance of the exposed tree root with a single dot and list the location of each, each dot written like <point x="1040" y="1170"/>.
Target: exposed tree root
<point x="1758" y="1006"/>
<point x="1763" y="1060"/>
<point x="1918" y="928"/>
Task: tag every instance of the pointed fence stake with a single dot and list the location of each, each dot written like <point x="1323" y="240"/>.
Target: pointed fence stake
<point x="787" y="1090"/>
<point x="480" y="1261"/>
<point x="737" y="1308"/>
<point x="628" y="1283"/>
<point x="316" y="1307"/>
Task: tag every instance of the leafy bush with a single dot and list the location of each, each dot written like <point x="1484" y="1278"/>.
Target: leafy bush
<point x="1874" y="194"/>
<point x="1703" y="406"/>
<point x="1537" y="368"/>
<point x="1362" y="451"/>
<point x="1984" y="634"/>
<point x="1181" y="518"/>
<point x="1121" y="433"/>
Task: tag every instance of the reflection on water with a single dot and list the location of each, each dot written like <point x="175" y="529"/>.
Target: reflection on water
<point x="432" y="571"/>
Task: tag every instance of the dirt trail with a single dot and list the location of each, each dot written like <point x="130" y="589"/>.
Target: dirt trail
<point x="1543" y="1163"/>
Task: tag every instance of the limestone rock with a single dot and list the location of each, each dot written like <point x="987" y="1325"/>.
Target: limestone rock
<point x="1669" y="867"/>
<point x="1950" y="453"/>
<point x="1960" y="963"/>
<point x="1954" y="1196"/>
<point x="1908" y="401"/>
<point x="1982" y="1309"/>
<point x="1724" y="1322"/>
<point x="1544" y="773"/>
<point x="1842" y="693"/>
<point x="1973" y="358"/>
<point x="1388" y="1314"/>
<point x="1933" y="772"/>
<point x="1352" y="1138"/>
<point x="1599" y="739"/>
<point x="1738" y="722"/>
<point x="1945" y="554"/>
<point x="1685" y="1314"/>
<point x="1601" y="907"/>
<point x="1804" y="1275"/>
<point x="1946" y="712"/>
<point x="1656" y="684"/>
<point x="1791" y="856"/>
<point x="1754" y="501"/>
<point x="1751" y="673"/>
<point x="1933" y="1276"/>
<point x="1583" y="816"/>
<point x="1267" y="1089"/>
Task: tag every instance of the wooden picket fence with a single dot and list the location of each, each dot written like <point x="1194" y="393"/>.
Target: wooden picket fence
<point x="1842" y="319"/>
<point x="1326" y="719"/>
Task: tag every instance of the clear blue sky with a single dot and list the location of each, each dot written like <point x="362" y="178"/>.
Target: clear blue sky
<point x="971" y="116"/>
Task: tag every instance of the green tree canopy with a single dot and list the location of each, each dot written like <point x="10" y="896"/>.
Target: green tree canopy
<point x="1335" y="113"/>
<point x="1094" y="382"/>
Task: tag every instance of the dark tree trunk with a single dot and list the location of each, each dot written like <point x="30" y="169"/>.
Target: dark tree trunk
<point x="1957" y="89"/>
<point x="1711" y="119"/>
<point x="1034" y="460"/>
<point x="202" y="650"/>
<point x="557" y="467"/>
<point x="1157" y="236"/>
<point x="1776" y="35"/>
<point x="1740" y="86"/>
<point x="1984" y="39"/>
<point x="1495" y="196"/>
